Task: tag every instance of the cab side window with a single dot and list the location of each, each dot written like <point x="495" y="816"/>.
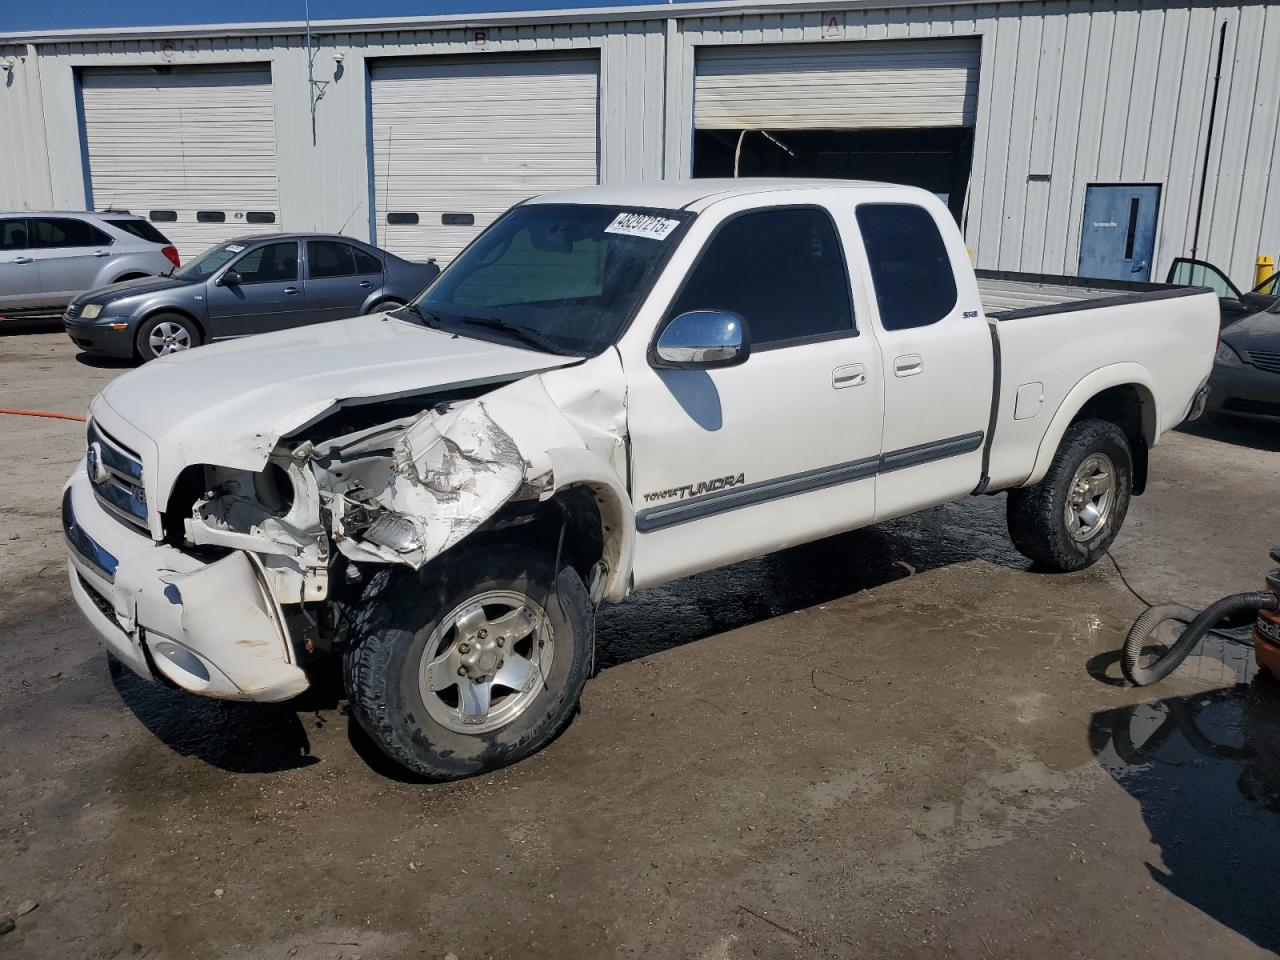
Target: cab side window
<point x="910" y="265"/>
<point x="782" y="270"/>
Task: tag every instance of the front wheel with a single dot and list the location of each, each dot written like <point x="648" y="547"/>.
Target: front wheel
<point x="1071" y="517"/>
<point x="473" y="662"/>
<point x="166" y="333"/>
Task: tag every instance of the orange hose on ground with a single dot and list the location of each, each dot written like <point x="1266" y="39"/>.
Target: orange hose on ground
<point x="42" y="413"/>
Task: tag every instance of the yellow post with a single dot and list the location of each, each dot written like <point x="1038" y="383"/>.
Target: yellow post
<point x="1263" y="269"/>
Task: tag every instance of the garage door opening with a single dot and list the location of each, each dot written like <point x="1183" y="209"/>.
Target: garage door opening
<point x="935" y="159"/>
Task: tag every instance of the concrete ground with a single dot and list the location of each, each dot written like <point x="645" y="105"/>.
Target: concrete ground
<point x="897" y="742"/>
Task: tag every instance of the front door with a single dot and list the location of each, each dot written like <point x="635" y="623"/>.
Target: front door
<point x="259" y="292"/>
<point x="734" y="462"/>
<point x="1118" y="236"/>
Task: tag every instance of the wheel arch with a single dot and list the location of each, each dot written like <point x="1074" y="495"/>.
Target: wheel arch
<point x="153" y="312"/>
<point x="1122" y="394"/>
<point x="592" y="507"/>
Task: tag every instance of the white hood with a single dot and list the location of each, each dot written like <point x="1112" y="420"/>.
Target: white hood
<point x="230" y="403"/>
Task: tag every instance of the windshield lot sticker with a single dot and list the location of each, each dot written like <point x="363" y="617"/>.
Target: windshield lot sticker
<point x="234" y="247"/>
<point x="642" y="225"/>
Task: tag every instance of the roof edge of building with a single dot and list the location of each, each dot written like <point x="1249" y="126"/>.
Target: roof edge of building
<point x="646" y="11"/>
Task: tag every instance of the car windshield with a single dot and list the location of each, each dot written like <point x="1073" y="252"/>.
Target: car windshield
<point x="563" y="278"/>
<point x="209" y="262"/>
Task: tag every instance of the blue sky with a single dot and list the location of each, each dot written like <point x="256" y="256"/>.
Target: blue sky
<point x="16" y="15"/>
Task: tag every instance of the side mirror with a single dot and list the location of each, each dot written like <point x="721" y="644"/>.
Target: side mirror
<point x="701" y="339"/>
<point x="229" y="279"/>
<point x="1232" y="305"/>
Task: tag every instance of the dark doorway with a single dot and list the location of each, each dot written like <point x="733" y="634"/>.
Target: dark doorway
<point x="937" y="159"/>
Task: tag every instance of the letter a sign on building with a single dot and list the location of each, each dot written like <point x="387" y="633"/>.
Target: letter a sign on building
<point x="833" y="26"/>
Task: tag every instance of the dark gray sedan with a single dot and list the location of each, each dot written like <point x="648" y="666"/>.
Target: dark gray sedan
<point x="245" y="286"/>
<point x="1246" y="371"/>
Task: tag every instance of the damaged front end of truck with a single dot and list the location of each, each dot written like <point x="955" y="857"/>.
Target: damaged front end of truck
<point x="350" y="494"/>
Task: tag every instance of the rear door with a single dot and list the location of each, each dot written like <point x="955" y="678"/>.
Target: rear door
<point x="937" y="357"/>
<point x="340" y="278"/>
<point x="267" y="296"/>
<point x="71" y="254"/>
<point x="19" y="270"/>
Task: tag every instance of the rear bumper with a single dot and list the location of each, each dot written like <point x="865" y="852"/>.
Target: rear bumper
<point x="1245" y="392"/>
<point x="210" y="628"/>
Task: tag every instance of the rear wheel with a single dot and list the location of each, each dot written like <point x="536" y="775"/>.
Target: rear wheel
<point x="1071" y="517"/>
<point x="166" y="333"/>
<point x="472" y="663"/>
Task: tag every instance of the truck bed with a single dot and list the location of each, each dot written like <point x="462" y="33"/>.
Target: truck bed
<point x="1009" y="296"/>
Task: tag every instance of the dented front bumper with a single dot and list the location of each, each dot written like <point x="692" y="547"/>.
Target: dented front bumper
<point x="210" y="628"/>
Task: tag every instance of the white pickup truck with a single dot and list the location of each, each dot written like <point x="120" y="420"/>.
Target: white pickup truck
<point x="609" y="389"/>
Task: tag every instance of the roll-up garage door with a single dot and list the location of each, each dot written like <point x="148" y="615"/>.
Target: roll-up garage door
<point x="874" y="84"/>
<point x="457" y="142"/>
<point x="193" y="150"/>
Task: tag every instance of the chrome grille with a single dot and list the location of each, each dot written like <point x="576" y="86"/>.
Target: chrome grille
<point x="116" y="474"/>
<point x="1265" y="360"/>
<point x="73" y="311"/>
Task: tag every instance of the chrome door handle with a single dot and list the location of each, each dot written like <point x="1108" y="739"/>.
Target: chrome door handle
<point x="908" y="365"/>
<point x="850" y="375"/>
<point x="365" y="284"/>
<point x="23" y="260"/>
<point x="290" y="291"/>
<point x="102" y="253"/>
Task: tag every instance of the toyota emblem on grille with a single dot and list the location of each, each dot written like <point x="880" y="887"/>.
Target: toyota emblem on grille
<point x="93" y="464"/>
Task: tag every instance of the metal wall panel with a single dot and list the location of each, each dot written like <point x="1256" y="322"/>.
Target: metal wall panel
<point x="847" y="86"/>
<point x="24" y="172"/>
<point x="1069" y="92"/>
<point x="197" y="142"/>
<point x="470" y="137"/>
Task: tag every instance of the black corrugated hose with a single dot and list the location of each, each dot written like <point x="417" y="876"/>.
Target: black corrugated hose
<point x="1198" y="625"/>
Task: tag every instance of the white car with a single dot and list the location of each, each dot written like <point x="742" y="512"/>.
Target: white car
<point x="611" y="388"/>
<point x="47" y="259"/>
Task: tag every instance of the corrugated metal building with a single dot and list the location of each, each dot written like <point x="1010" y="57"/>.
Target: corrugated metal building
<point x="415" y="133"/>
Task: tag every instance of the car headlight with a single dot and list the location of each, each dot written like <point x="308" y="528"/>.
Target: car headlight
<point x="91" y="311"/>
<point x="1227" y="356"/>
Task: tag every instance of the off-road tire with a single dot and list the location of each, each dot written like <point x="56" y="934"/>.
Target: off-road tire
<point x="1035" y="514"/>
<point x="402" y="608"/>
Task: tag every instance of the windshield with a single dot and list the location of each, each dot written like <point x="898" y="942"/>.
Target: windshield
<point x="209" y="262"/>
<point x="559" y="277"/>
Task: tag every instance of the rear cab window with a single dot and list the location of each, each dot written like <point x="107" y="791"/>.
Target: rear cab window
<point x="782" y="270"/>
<point x="910" y="264"/>
<point x="140" y="229"/>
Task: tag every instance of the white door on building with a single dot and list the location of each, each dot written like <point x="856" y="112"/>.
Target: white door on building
<point x="458" y="141"/>
<point x="192" y="149"/>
